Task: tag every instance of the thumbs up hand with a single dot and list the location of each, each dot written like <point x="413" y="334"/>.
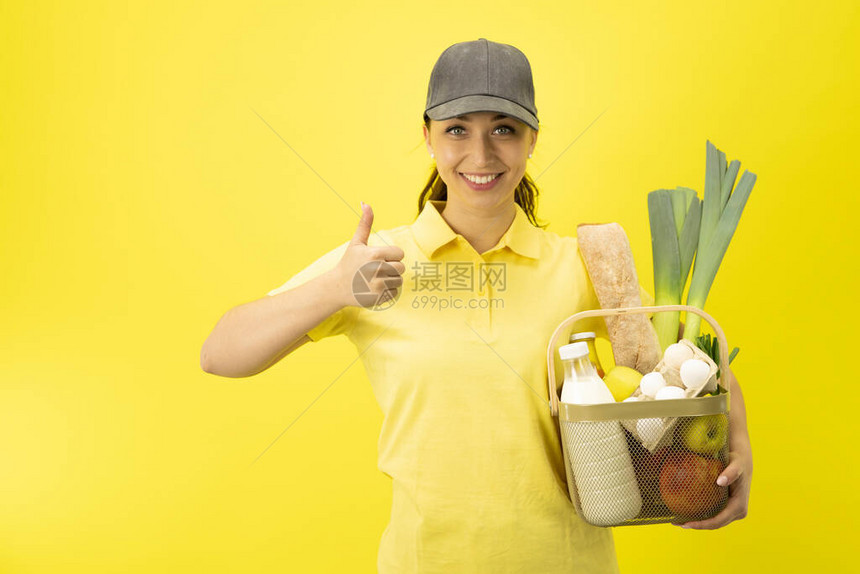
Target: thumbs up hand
<point x="381" y="267"/>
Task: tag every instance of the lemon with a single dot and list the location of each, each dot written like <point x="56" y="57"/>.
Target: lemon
<point x="622" y="381"/>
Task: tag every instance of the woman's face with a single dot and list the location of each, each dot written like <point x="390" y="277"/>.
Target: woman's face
<point x="481" y="145"/>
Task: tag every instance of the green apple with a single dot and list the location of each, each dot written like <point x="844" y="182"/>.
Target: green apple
<point x="622" y="381"/>
<point x="707" y="434"/>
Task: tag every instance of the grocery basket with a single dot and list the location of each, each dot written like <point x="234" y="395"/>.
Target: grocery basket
<point x="614" y="481"/>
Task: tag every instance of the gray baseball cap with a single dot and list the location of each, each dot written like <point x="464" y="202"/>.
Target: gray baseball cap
<point x="481" y="76"/>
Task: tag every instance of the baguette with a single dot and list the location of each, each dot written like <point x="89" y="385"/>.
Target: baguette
<point x="609" y="262"/>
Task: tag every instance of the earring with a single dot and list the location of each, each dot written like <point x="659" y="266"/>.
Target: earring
<point x="530" y="156"/>
<point x="432" y="156"/>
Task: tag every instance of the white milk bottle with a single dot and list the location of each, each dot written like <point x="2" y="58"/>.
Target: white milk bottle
<point x="601" y="464"/>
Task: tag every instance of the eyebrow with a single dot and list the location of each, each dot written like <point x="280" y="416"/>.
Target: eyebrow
<point x="465" y="118"/>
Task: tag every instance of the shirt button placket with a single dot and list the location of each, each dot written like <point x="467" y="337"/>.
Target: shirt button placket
<point x="488" y="293"/>
<point x="481" y="303"/>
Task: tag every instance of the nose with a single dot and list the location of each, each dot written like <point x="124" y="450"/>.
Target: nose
<point x="482" y="150"/>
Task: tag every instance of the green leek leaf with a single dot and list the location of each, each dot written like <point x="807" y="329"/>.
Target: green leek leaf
<point x="729" y="181"/>
<point x="689" y="239"/>
<point x="733" y="354"/>
<point x="667" y="265"/>
<point x="712" y="206"/>
<point x="711" y="253"/>
<point x="679" y="209"/>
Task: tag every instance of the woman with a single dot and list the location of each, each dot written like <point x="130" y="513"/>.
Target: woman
<point x="455" y="350"/>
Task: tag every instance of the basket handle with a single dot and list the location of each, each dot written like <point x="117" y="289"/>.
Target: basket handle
<point x="550" y="364"/>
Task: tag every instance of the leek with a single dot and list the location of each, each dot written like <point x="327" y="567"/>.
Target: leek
<point x="721" y="213"/>
<point x="684" y="228"/>
<point x="675" y="217"/>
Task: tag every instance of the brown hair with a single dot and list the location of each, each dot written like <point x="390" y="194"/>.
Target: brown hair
<point x="525" y="195"/>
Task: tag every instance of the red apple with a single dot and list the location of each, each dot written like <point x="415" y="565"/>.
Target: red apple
<point x="688" y="484"/>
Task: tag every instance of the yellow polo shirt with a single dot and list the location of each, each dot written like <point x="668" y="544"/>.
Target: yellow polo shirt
<point x="458" y="367"/>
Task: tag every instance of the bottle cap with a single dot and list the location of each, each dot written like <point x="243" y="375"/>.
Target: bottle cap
<point x="573" y="351"/>
<point x="574" y="337"/>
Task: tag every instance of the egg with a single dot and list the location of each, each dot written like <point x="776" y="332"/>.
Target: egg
<point x="649" y="430"/>
<point x="670" y="393"/>
<point x="651" y="383"/>
<point x="694" y="373"/>
<point x="630" y="400"/>
<point x="676" y="354"/>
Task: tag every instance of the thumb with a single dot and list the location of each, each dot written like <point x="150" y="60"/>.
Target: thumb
<point x="363" y="231"/>
<point x="732" y="472"/>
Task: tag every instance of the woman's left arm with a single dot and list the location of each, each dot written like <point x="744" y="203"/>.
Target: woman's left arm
<point x="738" y="474"/>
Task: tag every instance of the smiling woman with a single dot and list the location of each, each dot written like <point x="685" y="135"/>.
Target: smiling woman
<point x="508" y="141"/>
<point x="481" y="162"/>
<point x="468" y="440"/>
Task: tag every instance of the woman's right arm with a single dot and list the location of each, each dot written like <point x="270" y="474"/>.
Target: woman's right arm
<point x="250" y="338"/>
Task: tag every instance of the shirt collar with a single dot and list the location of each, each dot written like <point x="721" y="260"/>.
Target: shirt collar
<point x="431" y="231"/>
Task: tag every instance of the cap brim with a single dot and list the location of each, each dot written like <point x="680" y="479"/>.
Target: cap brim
<point x="480" y="103"/>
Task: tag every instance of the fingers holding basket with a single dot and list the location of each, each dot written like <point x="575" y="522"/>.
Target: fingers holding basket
<point x="737" y="476"/>
<point x="735" y="510"/>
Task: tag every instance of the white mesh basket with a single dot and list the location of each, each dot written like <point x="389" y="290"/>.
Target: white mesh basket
<point x="617" y="478"/>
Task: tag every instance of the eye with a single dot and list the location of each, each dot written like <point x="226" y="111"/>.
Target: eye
<point x="509" y="129"/>
<point x="452" y="128"/>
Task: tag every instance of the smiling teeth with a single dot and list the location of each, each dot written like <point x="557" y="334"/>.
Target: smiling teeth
<point x="482" y="179"/>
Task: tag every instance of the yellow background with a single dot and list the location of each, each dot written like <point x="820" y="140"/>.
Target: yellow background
<point x="143" y="193"/>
